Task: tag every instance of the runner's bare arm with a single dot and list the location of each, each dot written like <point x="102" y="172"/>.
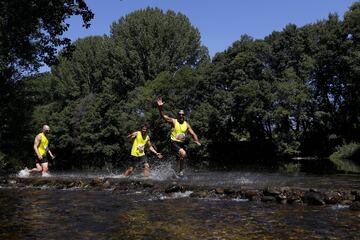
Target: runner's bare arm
<point x="160" y="105"/>
<point x="193" y="135"/>
<point x="36" y="145"/>
<point x="51" y="155"/>
<point x="132" y="135"/>
<point x="152" y="149"/>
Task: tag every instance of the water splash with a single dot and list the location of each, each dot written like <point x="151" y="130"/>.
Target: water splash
<point x="339" y="207"/>
<point x="163" y="170"/>
<point x="46" y="174"/>
<point x="24" y="173"/>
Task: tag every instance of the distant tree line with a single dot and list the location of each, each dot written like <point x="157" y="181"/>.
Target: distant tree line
<point x="293" y="93"/>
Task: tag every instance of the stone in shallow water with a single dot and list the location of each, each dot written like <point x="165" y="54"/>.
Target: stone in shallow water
<point x="333" y="197"/>
<point x="314" y="198"/>
<point x="268" y="199"/>
<point x="173" y="188"/>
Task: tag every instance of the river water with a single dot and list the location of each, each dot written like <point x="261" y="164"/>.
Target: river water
<point x="47" y="213"/>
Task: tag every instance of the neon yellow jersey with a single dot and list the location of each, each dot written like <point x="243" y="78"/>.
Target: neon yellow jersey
<point x="138" y="146"/>
<point x="43" y="146"/>
<point x="178" y="131"/>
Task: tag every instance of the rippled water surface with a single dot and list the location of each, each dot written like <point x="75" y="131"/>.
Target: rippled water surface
<point x="30" y="213"/>
<point x="57" y="214"/>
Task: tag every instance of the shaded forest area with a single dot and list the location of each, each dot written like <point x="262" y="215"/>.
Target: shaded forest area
<point x="294" y="93"/>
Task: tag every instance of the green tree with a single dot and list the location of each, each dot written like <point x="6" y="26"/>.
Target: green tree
<point x="149" y="41"/>
<point x="30" y="33"/>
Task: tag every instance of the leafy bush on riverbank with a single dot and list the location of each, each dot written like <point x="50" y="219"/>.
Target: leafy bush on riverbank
<point x="290" y="168"/>
<point x="346" y="157"/>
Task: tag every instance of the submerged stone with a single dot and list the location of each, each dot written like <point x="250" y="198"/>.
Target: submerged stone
<point x="268" y="199"/>
<point x="314" y="198"/>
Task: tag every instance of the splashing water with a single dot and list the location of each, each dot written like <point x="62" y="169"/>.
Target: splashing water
<point x="24" y="173"/>
<point x="46" y="174"/>
<point x="162" y="170"/>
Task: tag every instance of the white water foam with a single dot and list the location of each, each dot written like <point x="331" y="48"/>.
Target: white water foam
<point x="339" y="207"/>
<point x="117" y="176"/>
<point x="24" y="173"/>
<point x="162" y="170"/>
<point x="46" y="174"/>
<point x="176" y="195"/>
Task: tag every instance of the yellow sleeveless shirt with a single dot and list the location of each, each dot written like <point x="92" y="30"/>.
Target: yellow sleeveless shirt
<point x="138" y="146"/>
<point x="178" y="131"/>
<point x="43" y="146"/>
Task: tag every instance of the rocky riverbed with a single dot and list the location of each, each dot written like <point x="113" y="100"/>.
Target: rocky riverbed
<point x="271" y="194"/>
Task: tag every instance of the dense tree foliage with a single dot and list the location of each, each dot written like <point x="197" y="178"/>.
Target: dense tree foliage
<point x="30" y="35"/>
<point x="293" y="93"/>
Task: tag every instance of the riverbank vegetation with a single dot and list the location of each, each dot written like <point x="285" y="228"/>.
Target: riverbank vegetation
<point x="293" y="93"/>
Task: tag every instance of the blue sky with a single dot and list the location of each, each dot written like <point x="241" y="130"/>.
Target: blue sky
<point x="220" y="22"/>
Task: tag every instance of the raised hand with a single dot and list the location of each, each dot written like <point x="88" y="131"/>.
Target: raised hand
<point x="160" y="102"/>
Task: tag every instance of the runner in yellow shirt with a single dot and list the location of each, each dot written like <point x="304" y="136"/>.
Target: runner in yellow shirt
<point x="140" y="140"/>
<point x="178" y="134"/>
<point x="41" y="148"/>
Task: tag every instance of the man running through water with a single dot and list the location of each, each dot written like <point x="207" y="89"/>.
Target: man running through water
<point x="178" y="134"/>
<point x="140" y="139"/>
<point x="41" y="148"/>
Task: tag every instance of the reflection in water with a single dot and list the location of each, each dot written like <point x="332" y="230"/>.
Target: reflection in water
<point x="57" y="214"/>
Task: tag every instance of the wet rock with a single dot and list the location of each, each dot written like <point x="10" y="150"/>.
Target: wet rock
<point x="219" y="190"/>
<point x="148" y="185"/>
<point x="271" y="192"/>
<point x="97" y="182"/>
<point x="199" y="194"/>
<point x="356" y="194"/>
<point x="252" y="194"/>
<point x="333" y="198"/>
<point x="293" y="197"/>
<point x="346" y="202"/>
<point x="314" y="198"/>
<point x="355" y="206"/>
<point x="106" y="184"/>
<point x="281" y="198"/>
<point x="173" y="188"/>
<point x="71" y="185"/>
<point x="229" y="192"/>
<point x="348" y="196"/>
<point x="297" y="202"/>
<point x="268" y="199"/>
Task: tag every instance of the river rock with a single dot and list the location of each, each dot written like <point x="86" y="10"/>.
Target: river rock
<point x="252" y="194"/>
<point x="271" y="192"/>
<point x="219" y="190"/>
<point x="314" y="198"/>
<point x="281" y="198"/>
<point x="346" y="202"/>
<point x="355" y="206"/>
<point x="97" y="182"/>
<point x="356" y="194"/>
<point x="229" y="192"/>
<point x="106" y="184"/>
<point x="268" y="199"/>
<point x="173" y="188"/>
<point x="348" y="196"/>
<point x="199" y="194"/>
<point x="333" y="197"/>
